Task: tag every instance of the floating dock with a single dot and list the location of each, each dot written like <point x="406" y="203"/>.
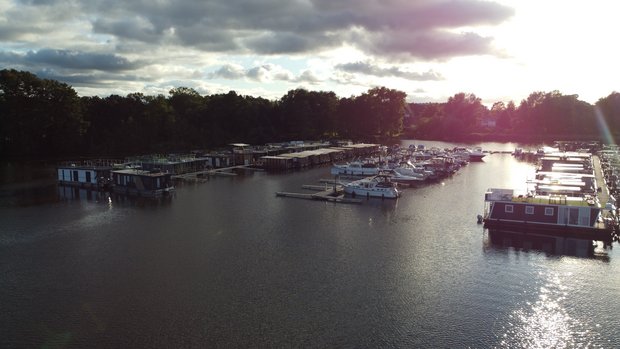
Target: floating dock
<point x="224" y="171"/>
<point x="333" y="194"/>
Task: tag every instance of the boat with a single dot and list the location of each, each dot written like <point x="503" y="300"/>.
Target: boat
<point x="476" y="154"/>
<point x="402" y="178"/>
<point x="557" y="214"/>
<point x="90" y="174"/>
<point x="355" y="168"/>
<point x="138" y="182"/>
<point x="379" y="186"/>
<point x="408" y="169"/>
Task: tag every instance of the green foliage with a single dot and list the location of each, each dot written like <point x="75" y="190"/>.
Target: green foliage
<point x="38" y="117"/>
<point x="44" y="118"/>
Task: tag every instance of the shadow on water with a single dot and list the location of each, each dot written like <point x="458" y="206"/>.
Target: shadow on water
<point x="69" y="194"/>
<point x="504" y="241"/>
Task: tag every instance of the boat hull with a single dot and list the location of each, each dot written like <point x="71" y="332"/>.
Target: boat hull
<point x="349" y="171"/>
<point x="526" y="227"/>
<point x="384" y="194"/>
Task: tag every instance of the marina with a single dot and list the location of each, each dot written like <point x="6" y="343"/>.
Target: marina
<point x="225" y="262"/>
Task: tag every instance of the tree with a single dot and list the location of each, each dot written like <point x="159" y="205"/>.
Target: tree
<point x="608" y="110"/>
<point x="39" y="117"/>
<point x="387" y="108"/>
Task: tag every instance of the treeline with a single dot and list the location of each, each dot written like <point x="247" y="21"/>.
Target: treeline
<point x="46" y="118"/>
<point x="543" y="116"/>
<point x="42" y="118"/>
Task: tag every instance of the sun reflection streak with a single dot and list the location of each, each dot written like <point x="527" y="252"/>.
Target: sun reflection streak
<point x="603" y="127"/>
<point x="546" y="323"/>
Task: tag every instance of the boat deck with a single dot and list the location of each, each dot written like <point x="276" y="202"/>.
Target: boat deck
<point x="555" y="200"/>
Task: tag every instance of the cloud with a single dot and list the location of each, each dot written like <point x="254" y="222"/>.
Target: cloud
<point x="114" y="40"/>
<point x="368" y="68"/>
<point x="422" y="28"/>
<point x="262" y="73"/>
<point x="72" y="62"/>
<point x="309" y="77"/>
<point x="79" y="60"/>
<point x="229" y="71"/>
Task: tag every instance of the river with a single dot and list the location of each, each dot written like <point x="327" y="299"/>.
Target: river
<point x="226" y="263"/>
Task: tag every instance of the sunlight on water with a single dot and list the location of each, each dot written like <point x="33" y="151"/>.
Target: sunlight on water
<point x="546" y="322"/>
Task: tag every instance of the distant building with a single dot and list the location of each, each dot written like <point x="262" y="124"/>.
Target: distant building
<point x="487" y="122"/>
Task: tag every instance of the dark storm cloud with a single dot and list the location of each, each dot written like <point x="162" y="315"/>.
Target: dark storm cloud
<point x="414" y="28"/>
<point x="79" y="60"/>
<point x="85" y="40"/>
<point x="423" y="28"/>
<point x="92" y="80"/>
<point x="368" y="68"/>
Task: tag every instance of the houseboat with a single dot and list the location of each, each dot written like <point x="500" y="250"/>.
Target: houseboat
<point x="138" y="182"/>
<point x="564" y="215"/>
<point x="89" y="175"/>
<point x="379" y="186"/>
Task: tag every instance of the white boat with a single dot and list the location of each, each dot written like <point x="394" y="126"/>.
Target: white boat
<point x="409" y="169"/>
<point x="403" y="179"/>
<point x="476" y="154"/>
<point x="379" y="186"/>
<point x="355" y="168"/>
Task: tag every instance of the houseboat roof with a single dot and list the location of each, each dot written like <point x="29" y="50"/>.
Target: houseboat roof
<point x="84" y="167"/>
<point x="508" y="195"/>
<point x="138" y="172"/>
<point x="566" y="175"/>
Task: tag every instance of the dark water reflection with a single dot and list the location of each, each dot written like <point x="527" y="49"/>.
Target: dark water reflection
<point x="225" y="263"/>
<point x="550" y="245"/>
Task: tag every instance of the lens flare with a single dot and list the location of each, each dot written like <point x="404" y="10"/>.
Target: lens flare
<point x="603" y="127"/>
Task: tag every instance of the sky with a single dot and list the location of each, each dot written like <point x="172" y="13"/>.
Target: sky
<point x="430" y="49"/>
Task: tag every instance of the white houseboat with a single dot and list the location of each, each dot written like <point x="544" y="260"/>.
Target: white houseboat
<point x="84" y="175"/>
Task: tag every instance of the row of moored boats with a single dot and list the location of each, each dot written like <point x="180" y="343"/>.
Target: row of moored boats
<point x="402" y="166"/>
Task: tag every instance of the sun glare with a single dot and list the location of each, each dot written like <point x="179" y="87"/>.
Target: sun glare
<point x="603" y="127"/>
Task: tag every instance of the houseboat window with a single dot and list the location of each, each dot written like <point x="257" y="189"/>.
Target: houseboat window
<point x="508" y="208"/>
<point x="573" y="217"/>
<point x="529" y="209"/>
<point x="87" y="176"/>
<point x="548" y="211"/>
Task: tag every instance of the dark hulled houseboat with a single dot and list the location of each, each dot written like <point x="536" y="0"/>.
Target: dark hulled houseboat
<point x="153" y="183"/>
<point x="564" y="203"/>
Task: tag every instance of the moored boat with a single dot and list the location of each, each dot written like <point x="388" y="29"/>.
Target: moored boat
<point x="402" y="178"/>
<point x="138" y="182"/>
<point x="549" y="214"/>
<point x="376" y="186"/>
<point x="355" y="168"/>
<point x="476" y="154"/>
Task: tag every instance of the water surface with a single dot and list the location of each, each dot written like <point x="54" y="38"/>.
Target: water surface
<point x="226" y="263"/>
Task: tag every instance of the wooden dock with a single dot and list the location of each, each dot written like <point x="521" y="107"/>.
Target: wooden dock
<point x="333" y="194"/>
<point x="224" y="171"/>
<point x="603" y="194"/>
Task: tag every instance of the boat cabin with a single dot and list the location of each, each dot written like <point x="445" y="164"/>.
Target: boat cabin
<point x="559" y="211"/>
<point x="139" y="182"/>
<point x="83" y="176"/>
